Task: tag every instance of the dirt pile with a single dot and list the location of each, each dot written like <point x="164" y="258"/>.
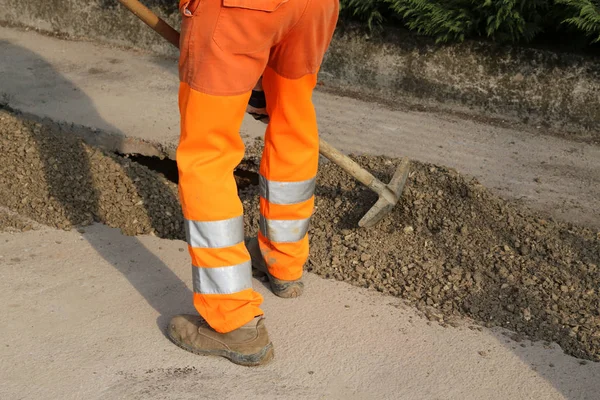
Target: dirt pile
<point x="450" y="247"/>
<point x="60" y="181"/>
<point x="13" y="222"/>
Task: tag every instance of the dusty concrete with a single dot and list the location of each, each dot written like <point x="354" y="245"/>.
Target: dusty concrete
<point x="87" y="313"/>
<point x="132" y="94"/>
<point x="556" y="90"/>
<point x="33" y="83"/>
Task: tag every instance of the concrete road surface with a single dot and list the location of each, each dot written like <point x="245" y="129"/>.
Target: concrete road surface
<point x="84" y="317"/>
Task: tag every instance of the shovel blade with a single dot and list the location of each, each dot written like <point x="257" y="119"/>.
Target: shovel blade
<point x="383" y="206"/>
<point x="398" y="181"/>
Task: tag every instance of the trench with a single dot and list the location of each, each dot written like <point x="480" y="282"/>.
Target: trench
<point x="244" y="174"/>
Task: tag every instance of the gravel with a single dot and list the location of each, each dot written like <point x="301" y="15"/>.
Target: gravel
<point x="450" y="247"/>
<point x="59" y="181"/>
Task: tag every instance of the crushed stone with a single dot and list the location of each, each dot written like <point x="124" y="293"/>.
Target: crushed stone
<point x="12" y="222"/>
<point x="450" y="247"/>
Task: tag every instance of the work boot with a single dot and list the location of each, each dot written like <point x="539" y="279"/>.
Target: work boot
<point x="281" y="288"/>
<point x="248" y="345"/>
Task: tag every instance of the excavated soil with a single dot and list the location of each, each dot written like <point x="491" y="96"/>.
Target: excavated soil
<point x="12" y="222"/>
<point x="450" y="247"/>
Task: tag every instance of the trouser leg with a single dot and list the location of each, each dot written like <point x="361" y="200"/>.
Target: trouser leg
<point x="287" y="173"/>
<point x="209" y="150"/>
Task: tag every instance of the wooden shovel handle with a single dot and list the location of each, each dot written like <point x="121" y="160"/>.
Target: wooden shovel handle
<point x="351" y="167"/>
<point x="152" y="20"/>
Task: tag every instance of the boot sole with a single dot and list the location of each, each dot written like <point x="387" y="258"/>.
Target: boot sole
<point x="250" y="360"/>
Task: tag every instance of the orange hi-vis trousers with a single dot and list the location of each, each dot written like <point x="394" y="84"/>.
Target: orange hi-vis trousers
<point x="226" y="47"/>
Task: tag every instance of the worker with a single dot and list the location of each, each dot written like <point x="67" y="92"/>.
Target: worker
<point x="228" y="48"/>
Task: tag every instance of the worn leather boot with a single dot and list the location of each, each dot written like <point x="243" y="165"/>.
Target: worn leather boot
<point x="281" y="288"/>
<point x="248" y="345"/>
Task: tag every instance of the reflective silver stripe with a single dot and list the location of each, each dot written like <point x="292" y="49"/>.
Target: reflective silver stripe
<point x="286" y="192"/>
<point x="215" y="234"/>
<point x="222" y="280"/>
<point x="284" y="231"/>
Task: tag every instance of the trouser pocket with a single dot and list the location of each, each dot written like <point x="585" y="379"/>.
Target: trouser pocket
<point x="248" y="26"/>
<point x="258" y="5"/>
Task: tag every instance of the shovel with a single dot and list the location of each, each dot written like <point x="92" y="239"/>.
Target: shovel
<point x="388" y="194"/>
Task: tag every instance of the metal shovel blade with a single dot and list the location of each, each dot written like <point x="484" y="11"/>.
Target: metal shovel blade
<point x="384" y="206"/>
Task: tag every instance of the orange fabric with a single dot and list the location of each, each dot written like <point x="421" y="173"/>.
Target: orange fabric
<point x="285" y="260"/>
<point x="226" y="46"/>
<point x="227" y="312"/>
<point x="291" y="150"/>
<point x="286" y="212"/>
<point x="210" y="148"/>
<point x="292" y="125"/>
<point x="302" y="50"/>
<point x="221" y="257"/>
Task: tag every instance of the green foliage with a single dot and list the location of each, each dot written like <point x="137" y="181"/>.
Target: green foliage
<point x="513" y="20"/>
<point x="364" y="10"/>
<point x="586" y="17"/>
<point x="444" y="20"/>
<point x="499" y="20"/>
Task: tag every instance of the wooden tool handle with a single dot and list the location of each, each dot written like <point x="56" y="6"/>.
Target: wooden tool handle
<point x="351" y="167"/>
<point x="152" y="20"/>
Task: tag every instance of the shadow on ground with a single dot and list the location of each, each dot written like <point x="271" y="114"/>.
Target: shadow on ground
<point x="75" y="189"/>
